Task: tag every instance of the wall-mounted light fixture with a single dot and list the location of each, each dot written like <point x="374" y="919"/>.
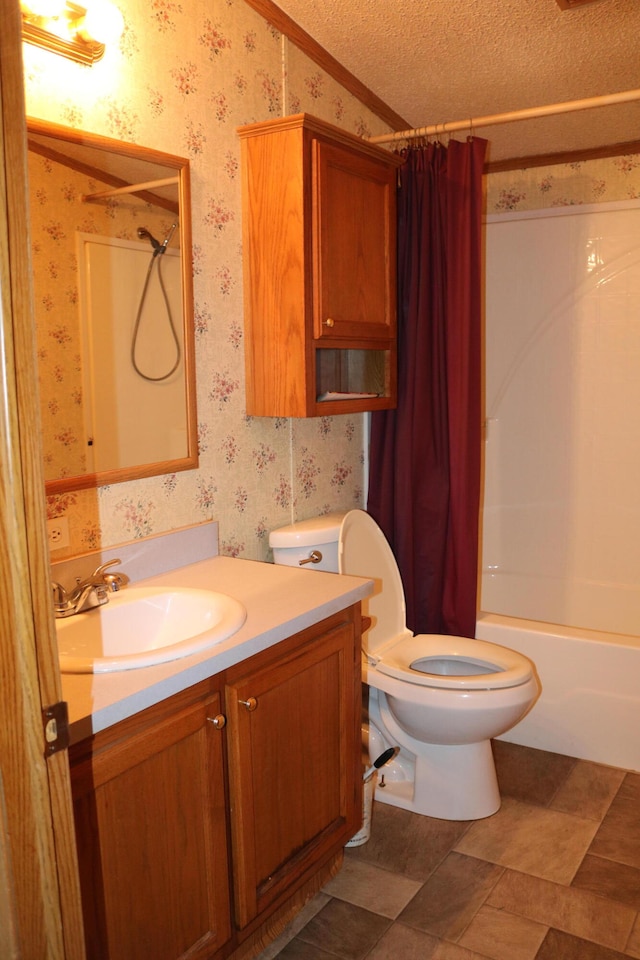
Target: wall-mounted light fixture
<point x="80" y="33"/>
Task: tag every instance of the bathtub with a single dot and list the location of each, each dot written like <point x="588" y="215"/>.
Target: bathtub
<point x="590" y="702"/>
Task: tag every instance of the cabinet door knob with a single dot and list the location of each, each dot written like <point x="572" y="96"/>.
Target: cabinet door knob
<point x="250" y="703"/>
<point x="219" y="721"/>
<point x="329" y="322"/>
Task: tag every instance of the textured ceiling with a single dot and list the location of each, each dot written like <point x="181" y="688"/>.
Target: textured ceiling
<point x="440" y="60"/>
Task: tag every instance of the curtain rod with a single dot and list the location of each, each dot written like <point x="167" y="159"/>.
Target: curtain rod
<point x="527" y="114"/>
<point x="131" y="188"/>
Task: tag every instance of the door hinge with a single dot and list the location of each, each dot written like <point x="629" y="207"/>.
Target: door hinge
<point x="55" y="724"/>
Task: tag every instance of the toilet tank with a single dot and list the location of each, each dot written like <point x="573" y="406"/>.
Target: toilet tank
<point x="293" y="545"/>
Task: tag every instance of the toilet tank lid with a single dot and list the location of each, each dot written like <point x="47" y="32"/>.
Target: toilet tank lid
<point x="305" y="533"/>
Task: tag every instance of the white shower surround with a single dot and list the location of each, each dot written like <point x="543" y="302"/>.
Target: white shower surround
<point x="561" y="522"/>
<point x="561" y="526"/>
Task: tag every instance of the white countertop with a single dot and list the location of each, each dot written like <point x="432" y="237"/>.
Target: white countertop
<point x="279" y="600"/>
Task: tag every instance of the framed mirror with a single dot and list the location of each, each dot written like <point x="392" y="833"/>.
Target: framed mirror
<point x="112" y="264"/>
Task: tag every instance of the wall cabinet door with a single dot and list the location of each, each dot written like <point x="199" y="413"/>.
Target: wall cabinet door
<point x="354" y="246"/>
<point x="294" y="761"/>
<point x="149" y="804"/>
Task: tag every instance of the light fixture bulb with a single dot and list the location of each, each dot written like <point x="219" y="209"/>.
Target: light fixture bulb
<point x="103" y="22"/>
<point x="71" y="30"/>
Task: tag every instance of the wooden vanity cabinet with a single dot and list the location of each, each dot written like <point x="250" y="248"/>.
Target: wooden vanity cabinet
<point x="263" y="760"/>
<point x="319" y="240"/>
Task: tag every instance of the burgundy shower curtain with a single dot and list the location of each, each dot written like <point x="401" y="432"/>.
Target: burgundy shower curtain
<point x="424" y="486"/>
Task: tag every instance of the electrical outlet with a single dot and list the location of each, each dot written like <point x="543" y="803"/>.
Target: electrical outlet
<point x="58" y="533"/>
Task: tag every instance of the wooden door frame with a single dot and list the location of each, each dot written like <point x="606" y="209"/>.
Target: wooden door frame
<point x="40" y="912"/>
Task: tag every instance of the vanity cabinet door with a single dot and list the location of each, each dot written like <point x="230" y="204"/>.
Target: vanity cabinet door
<point x="149" y="806"/>
<point x="293" y="737"/>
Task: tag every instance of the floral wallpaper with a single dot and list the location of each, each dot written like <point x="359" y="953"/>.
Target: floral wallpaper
<point x="183" y="77"/>
<point x="565" y="184"/>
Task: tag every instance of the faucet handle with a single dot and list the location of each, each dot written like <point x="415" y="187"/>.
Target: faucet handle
<point x="98" y="573"/>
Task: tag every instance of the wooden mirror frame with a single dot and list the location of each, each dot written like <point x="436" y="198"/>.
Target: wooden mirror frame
<point x="79" y="138"/>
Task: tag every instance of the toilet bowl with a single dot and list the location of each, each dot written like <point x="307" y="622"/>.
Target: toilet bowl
<point x="440" y="698"/>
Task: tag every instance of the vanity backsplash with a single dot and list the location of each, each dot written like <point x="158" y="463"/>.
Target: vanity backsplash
<point x="145" y="557"/>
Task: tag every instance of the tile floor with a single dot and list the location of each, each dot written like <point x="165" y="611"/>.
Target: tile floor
<point x="554" y="875"/>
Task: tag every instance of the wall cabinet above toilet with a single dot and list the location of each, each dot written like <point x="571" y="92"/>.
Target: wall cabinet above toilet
<point x="319" y="237"/>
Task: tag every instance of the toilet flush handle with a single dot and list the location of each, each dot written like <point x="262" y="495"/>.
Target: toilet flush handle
<point x="314" y="557"/>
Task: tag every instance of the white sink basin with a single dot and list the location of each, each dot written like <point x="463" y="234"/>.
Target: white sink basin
<point x="141" y="626"/>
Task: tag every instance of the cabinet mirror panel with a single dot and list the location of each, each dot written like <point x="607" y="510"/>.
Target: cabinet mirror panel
<point x="112" y="266"/>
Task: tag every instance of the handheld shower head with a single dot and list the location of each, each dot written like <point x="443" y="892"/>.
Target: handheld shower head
<point x="144" y="234"/>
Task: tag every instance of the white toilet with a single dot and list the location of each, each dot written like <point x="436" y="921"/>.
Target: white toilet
<point x="439" y="698"/>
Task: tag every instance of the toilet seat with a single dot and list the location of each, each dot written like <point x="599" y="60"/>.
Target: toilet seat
<point x="429" y="660"/>
<point x="453" y="663"/>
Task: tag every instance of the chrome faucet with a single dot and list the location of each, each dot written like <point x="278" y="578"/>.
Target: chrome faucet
<point x="89" y="593"/>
